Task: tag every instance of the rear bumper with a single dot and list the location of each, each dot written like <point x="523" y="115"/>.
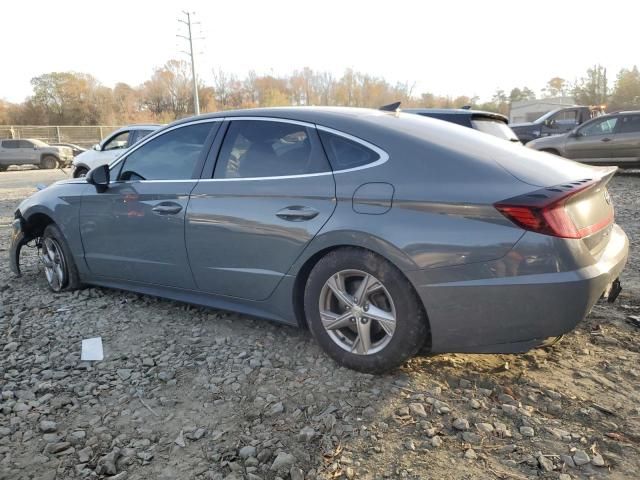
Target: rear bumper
<point x="476" y="310"/>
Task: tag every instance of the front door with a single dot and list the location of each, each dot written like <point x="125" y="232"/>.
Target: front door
<point x="134" y="230"/>
<point x="271" y="193"/>
<point x="592" y="141"/>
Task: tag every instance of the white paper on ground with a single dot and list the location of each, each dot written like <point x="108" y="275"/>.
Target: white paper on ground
<point x="92" y="349"/>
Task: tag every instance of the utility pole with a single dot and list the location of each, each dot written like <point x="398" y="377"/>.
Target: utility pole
<point x="188" y="23"/>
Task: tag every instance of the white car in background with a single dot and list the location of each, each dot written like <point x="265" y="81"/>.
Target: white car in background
<point x="111" y="147"/>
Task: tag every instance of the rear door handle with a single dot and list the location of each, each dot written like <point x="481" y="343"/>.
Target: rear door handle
<point x="167" y="208"/>
<point x="605" y="140"/>
<point x="297" y="213"/>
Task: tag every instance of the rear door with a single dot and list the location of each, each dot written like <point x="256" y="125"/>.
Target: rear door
<point x="271" y="192"/>
<point x="625" y="146"/>
<point x="593" y="141"/>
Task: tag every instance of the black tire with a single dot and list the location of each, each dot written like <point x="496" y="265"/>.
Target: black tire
<point x="411" y="326"/>
<point x="80" y="172"/>
<point x="70" y="279"/>
<point x="48" y="162"/>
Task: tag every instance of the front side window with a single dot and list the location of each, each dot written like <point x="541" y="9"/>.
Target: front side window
<point x="257" y="148"/>
<point x="170" y="156"/>
<point x="604" y="126"/>
<point x="26" y="144"/>
<point x="344" y="153"/>
<point x="629" y="124"/>
<point x="566" y="117"/>
<point x="117" y="142"/>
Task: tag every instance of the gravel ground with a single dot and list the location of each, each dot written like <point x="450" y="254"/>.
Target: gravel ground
<point x="187" y="392"/>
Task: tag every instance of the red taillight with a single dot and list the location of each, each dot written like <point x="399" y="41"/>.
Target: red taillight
<point x="545" y="212"/>
<point x="552" y="220"/>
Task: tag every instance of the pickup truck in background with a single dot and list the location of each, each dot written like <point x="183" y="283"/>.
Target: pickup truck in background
<point x="556" y="122"/>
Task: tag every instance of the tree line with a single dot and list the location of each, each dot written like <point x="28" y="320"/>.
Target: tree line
<point x="71" y="98"/>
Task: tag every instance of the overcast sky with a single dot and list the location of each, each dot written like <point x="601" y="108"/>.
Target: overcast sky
<point x="448" y="47"/>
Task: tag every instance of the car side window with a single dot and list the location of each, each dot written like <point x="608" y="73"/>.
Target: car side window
<point x="604" y="126"/>
<point x="629" y="124"/>
<point x="566" y="117"/>
<point x="11" y="143"/>
<point x="345" y="153"/>
<point x="117" y="142"/>
<point x="26" y="144"/>
<point x="170" y="156"/>
<point x="258" y="148"/>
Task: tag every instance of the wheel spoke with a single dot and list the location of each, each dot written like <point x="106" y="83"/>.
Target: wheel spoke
<point x="362" y="343"/>
<point x="336" y="284"/>
<point x="362" y="291"/>
<point x="386" y="319"/>
<point x="334" y="321"/>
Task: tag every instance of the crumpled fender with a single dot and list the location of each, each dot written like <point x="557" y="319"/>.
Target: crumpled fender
<point x="18" y="240"/>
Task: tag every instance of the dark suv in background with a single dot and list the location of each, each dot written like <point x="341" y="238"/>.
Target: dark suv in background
<point x="488" y="122"/>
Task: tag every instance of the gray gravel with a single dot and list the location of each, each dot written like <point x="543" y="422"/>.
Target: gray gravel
<point x="187" y="392"/>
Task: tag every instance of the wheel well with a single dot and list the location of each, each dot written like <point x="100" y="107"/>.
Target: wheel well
<point x="303" y="275"/>
<point x="36" y="224"/>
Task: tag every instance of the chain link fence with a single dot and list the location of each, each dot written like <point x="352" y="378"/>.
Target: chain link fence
<point x="84" y="136"/>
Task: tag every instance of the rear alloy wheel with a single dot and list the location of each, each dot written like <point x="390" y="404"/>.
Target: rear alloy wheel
<point x="357" y="312"/>
<point x="48" y="162"/>
<point x="363" y="311"/>
<point x="59" y="268"/>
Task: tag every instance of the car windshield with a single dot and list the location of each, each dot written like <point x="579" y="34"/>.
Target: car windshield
<point x="494" y="127"/>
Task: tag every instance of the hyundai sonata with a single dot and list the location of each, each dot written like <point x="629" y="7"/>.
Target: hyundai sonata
<point x="384" y="233"/>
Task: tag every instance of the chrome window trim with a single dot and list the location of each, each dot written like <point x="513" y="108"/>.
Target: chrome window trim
<point x="383" y="155"/>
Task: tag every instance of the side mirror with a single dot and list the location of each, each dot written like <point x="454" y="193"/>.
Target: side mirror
<point x="35" y="147"/>
<point x="574" y="133"/>
<point x="99" y="177"/>
<point x="96" y="147"/>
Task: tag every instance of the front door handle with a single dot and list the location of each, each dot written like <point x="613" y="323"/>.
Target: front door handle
<point x="297" y="213"/>
<point x="167" y="208"/>
<point x="605" y="140"/>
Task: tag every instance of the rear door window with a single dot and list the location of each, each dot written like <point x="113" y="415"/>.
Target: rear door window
<point x="262" y="148"/>
<point x="11" y="143"/>
<point x="629" y="124"/>
<point x="345" y="153"/>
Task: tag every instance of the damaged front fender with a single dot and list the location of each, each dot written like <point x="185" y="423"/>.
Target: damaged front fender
<point x="19" y="238"/>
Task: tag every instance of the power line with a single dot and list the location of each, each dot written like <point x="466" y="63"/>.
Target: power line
<point x="190" y="38"/>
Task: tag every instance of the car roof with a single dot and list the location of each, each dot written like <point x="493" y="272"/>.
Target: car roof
<point x="457" y="111"/>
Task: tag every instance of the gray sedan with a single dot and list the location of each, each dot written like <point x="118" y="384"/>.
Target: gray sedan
<point x="383" y="233"/>
<point x="612" y="139"/>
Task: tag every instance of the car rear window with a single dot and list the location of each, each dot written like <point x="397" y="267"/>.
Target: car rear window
<point x="344" y="153"/>
<point x="494" y="127"/>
